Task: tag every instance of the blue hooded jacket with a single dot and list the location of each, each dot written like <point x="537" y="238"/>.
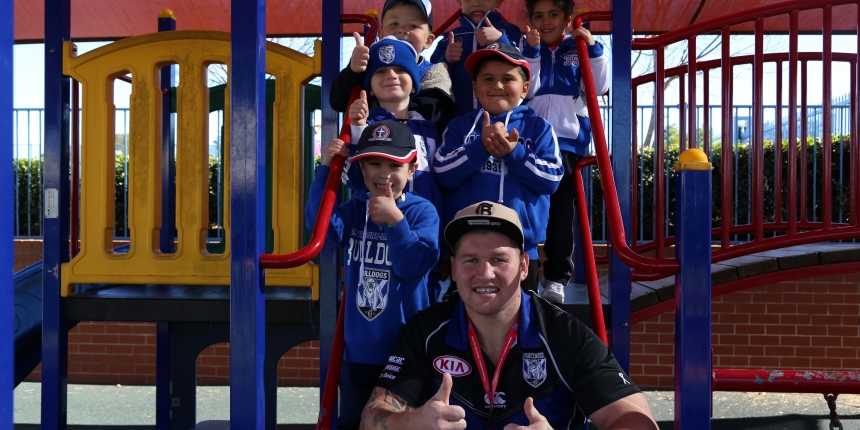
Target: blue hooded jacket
<point x="461" y="80"/>
<point x="522" y="180"/>
<point x="386" y="267"/>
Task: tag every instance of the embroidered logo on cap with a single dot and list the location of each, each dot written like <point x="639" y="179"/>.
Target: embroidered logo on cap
<point x="484" y="209"/>
<point x="381" y="133"/>
<point x="456" y="366"/>
<point x="493" y="46"/>
<point x="386" y="54"/>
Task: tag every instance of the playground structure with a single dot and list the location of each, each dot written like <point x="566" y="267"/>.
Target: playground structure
<point x="143" y="282"/>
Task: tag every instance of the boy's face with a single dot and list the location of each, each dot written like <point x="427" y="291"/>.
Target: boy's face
<point x="499" y="86"/>
<point x="390" y="84"/>
<point x="549" y="21"/>
<point x="379" y="171"/>
<point x="477" y="9"/>
<point x="406" y="22"/>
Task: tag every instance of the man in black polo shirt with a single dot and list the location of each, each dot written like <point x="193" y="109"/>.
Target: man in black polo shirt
<point x="442" y="372"/>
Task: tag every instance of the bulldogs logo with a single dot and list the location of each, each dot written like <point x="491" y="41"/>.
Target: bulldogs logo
<point x="386" y="54"/>
<point x="494" y="46"/>
<point x="534" y="368"/>
<point x="372" y="296"/>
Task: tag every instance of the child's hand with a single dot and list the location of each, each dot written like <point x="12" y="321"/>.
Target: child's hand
<point x="455" y="49"/>
<point x="383" y="209"/>
<point x="358" y="110"/>
<point x="532" y="37"/>
<point x="584" y="34"/>
<point x="487" y="34"/>
<point x="360" y="55"/>
<point x="335" y="148"/>
<point x="495" y="137"/>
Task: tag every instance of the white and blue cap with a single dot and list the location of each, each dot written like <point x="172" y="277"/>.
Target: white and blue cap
<point x="387" y="139"/>
<point x="390" y="51"/>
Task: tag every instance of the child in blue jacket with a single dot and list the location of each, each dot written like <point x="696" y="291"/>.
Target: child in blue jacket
<point x="554" y="94"/>
<point x="480" y="26"/>
<point x="391" y="243"/>
<point x="501" y="152"/>
<point x="391" y="79"/>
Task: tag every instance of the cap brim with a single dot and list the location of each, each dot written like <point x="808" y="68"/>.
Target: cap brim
<point x="478" y="55"/>
<point x="386" y="152"/>
<point x="460" y="226"/>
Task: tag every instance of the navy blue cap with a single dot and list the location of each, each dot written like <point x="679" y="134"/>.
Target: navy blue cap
<point x="388" y="139"/>
<point x="502" y="50"/>
<point x="424" y="5"/>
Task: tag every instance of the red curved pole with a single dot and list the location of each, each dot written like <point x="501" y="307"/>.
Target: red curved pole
<point x="607" y="181"/>
<point x="598" y="325"/>
<point x="332" y="375"/>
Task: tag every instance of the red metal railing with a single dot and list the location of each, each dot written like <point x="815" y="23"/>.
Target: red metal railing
<point x="795" y="232"/>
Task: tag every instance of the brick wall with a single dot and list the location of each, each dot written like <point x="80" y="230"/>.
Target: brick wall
<point x="805" y="324"/>
<point x="810" y="323"/>
<point x="27" y="252"/>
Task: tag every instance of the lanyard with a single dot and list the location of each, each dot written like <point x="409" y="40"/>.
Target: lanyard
<point x="482" y="368"/>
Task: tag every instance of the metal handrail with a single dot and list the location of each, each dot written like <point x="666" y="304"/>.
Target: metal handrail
<point x="309" y="251"/>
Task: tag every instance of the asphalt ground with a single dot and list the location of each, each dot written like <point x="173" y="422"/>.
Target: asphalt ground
<point x="110" y="407"/>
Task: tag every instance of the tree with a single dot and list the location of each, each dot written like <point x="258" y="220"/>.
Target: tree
<point x="305" y="45"/>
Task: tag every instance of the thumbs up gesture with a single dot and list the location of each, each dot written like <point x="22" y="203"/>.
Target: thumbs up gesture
<point x="487" y="34"/>
<point x="532" y="37"/>
<point x="496" y="139"/>
<point x="382" y="208"/>
<point x="360" y="55"/>
<point x="438" y="413"/>
<point x="536" y="420"/>
<point x="358" y="111"/>
<point x="455" y="49"/>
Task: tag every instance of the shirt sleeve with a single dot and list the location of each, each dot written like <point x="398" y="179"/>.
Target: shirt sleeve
<point x="407" y="372"/>
<point x="414" y="244"/>
<point x="597" y="379"/>
<point x="538" y="166"/>
<point x="337" y="229"/>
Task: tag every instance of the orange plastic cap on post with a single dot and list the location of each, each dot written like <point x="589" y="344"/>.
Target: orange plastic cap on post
<point x="693" y="159"/>
<point x="167" y="13"/>
<point x="372" y="13"/>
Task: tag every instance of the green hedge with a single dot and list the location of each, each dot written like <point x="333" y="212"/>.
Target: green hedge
<point x="28" y="173"/>
<point x="840" y="168"/>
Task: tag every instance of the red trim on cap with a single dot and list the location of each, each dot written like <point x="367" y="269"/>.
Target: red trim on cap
<point x="476" y="56"/>
<point x="405" y="159"/>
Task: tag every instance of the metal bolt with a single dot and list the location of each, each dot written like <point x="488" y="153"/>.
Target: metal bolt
<point x="51" y="51"/>
<point x="50" y="270"/>
<point x="625" y="325"/>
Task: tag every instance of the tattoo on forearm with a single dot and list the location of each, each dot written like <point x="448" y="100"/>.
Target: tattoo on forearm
<point x="382" y="405"/>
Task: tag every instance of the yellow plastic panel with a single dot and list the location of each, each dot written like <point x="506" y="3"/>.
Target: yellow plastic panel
<point x="143" y="57"/>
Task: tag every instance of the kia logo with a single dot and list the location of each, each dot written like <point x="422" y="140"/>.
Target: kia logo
<point x="454" y="365"/>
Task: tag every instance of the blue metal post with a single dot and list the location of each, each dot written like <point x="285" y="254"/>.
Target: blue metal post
<point x="247" y="210"/>
<point x="7" y="291"/>
<point x="331" y="37"/>
<point x="55" y="228"/>
<point x="163" y="369"/>
<point x="693" y="292"/>
<point x="622" y="138"/>
<point x="167" y="22"/>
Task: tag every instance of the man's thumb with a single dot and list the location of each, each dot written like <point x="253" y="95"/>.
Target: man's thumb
<point x="531" y="411"/>
<point x="445" y="389"/>
<point x="358" y="40"/>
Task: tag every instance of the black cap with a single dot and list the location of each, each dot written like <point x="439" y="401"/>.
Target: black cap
<point x="388" y="139"/>
<point x="501" y="50"/>
<point x="485" y="215"/>
<point x="424" y="5"/>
